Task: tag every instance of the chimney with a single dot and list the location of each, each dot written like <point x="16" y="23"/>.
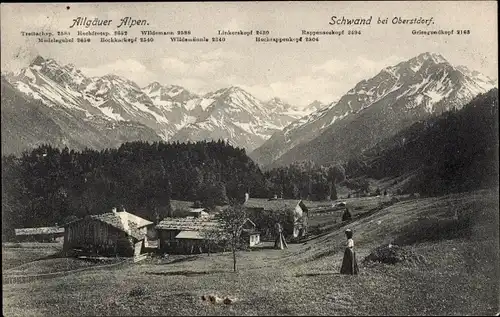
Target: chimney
<point x="247" y="196"/>
<point x="113" y="210"/>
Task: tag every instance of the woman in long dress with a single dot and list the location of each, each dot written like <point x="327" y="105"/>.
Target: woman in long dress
<point x="349" y="263"/>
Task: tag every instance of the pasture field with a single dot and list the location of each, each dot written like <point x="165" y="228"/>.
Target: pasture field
<point x="15" y="254"/>
<point x="451" y="269"/>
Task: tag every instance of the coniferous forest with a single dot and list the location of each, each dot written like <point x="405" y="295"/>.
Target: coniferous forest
<point x="454" y="152"/>
<point x="48" y="185"/>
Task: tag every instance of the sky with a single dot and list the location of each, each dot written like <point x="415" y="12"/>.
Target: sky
<point x="298" y="73"/>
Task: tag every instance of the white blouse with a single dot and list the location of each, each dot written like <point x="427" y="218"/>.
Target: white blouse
<point x="350" y="243"/>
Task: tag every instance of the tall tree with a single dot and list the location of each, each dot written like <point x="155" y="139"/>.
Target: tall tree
<point x="232" y="220"/>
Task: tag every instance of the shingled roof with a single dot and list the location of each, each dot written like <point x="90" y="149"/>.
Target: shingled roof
<point x="122" y="220"/>
<point x="187" y="224"/>
<point x="274" y="204"/>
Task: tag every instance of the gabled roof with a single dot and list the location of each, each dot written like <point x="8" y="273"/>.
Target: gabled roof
<point x="181" y="204"/>
<point x="122" y="220"/>
<point x="189" y="235"/>
<point x="197" y="210"/>
<point x="141" y="222"/>
<point x="273" y="204"/>
<point x="36" y="231"/>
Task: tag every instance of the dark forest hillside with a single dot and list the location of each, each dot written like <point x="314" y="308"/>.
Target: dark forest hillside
<point x="48" y="185"/>
<point x="454" y="152"/>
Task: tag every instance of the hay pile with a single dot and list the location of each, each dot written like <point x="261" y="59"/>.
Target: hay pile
<point x="392" y="254"/>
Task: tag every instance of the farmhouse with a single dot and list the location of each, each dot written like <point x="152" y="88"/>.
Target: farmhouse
<point x="189" y="235"/>
<point x="41" y="234"/>
<point x="114" y="233"/>
<point x="300" y="211"/>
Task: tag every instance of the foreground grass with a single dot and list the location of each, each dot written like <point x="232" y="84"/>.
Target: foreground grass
<point x="459" y="274"/>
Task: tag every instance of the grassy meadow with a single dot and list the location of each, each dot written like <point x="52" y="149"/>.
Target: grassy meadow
<point x="451" y="268"/>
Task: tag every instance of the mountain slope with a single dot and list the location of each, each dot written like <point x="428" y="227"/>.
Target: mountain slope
<point x="374" y="109"/>
<point x="234" y="115"/>
<point x="18" y="116"/>
<point x="231" y="114"/>
<point x="456" y="151"/>
<point x="28" y="122"/>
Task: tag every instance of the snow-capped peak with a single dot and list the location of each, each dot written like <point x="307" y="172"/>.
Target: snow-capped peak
<point x="435" y="57"/>
<point x="152" y="87"/>
<point x="411" y="90"/>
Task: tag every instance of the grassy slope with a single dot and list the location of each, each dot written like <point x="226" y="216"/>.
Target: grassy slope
<point x="459" y="276"/>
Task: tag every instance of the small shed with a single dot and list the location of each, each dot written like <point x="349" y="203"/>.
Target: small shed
<point x="250" y="233"/>
<point x="300" y="211"/>
<point x="41" y="234"/>
<point x="114" y="233"/>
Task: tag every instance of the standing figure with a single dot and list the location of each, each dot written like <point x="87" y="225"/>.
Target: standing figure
<point x="349" y="263"/>
<point x="280" y="242"/>
<point x="346" y="215"/>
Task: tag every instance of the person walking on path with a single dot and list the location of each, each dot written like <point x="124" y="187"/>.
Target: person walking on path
<point x="349" y="263"/>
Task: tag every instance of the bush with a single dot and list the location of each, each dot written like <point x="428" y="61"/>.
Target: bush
<point x="392" y="254"/>
<point x="138" y="291"/>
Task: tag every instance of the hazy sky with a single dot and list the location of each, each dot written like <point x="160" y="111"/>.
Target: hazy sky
<point x="296" y="72"/>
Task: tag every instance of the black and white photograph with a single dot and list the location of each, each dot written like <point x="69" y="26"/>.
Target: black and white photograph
<point x="246" y="158"/>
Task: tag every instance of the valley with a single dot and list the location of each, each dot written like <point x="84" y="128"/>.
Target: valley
<point x="445" y="272"/>
<point x="400" y="150"/>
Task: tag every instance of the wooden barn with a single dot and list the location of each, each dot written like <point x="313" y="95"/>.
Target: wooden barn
<point x="114" y="233"/>
<point x="300" y="211"/>
<point x="41" y="234"/>
<point x="186" y="235"/>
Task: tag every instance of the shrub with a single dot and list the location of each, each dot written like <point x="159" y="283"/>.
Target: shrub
<point x="138" y="291"/>
<point x="392" y="254"/>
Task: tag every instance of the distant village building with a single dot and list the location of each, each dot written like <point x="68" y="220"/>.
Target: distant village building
<point x="250" y="233"/>
<point x="198" y="213"/>
<point x="188" y="235"/>
<point x="114" y="233"/>
<point x="300" y="211"/>
<point x="41" y="234"/>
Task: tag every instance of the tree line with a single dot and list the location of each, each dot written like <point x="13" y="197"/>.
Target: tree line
<point x="48" y="185"/>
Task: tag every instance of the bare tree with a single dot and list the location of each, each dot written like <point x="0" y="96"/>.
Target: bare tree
<point x="228" y="233"/>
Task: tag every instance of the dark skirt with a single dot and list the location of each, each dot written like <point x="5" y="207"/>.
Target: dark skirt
<point x="349" y="264"/>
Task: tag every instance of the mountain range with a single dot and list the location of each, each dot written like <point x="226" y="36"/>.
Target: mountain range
<point x="156" y="112"/>
<point x="374" y="109"/>
<point x="57" y="104"/>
